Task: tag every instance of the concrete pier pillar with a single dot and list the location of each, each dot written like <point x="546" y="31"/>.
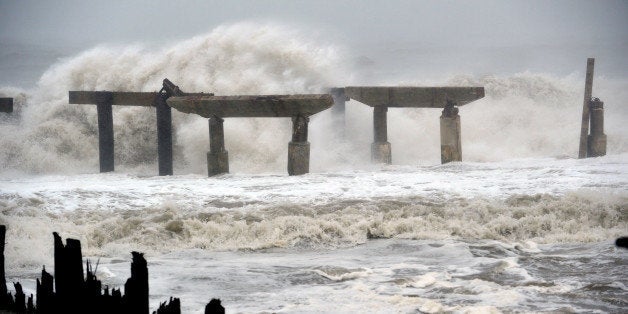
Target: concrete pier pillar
<point x="450" y="143"/>
<point x="6" y="105"/>
<point x="584" y="128"/>
<point x="164" y="135"/>
<point x="299" y="147"/>
<point x="217" y="157"/>
<point x="596" y="145"/>
<point x="338" y="111"/>
<point x="104" y="102"/>
<point x="380" y="149"/>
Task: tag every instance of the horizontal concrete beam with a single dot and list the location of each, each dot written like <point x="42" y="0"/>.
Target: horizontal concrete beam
<point x="119" y="98"/>
<point x="416" y="97"/>
<point x="6" y="105"/>
<point x="252" y="106"/>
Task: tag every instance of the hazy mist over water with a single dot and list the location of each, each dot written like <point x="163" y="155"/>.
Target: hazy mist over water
<point x="389" y="39"/>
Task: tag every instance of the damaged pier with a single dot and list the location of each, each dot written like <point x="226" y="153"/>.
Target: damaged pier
<point x="216" y="108"/>
<point x="105" y="100"/>
<point x="449" y="98"/>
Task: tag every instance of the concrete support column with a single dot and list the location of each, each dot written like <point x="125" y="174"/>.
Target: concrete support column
<point x="584" y="128"/>
<point x="104" y="101"/>
<point x="299" y="147"/>
<point x="217" y="157"/>
<point x="6" y="105"/>
<point x="596" y="145"/>
<point x="164" y="135"/>
<point x="380" y="149"/>
<point x="450" y="143"/>
<point x="338" y="111"/>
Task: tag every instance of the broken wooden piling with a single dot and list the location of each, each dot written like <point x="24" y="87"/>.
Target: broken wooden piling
<point x="76" y="293"/>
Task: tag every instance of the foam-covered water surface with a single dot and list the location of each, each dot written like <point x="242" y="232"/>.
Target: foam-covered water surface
<point x="457" y="237"/>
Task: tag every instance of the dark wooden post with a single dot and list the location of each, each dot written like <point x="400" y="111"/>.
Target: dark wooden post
<point x="338" y="111"/>
<point x="380" y="149"/>
<point x="299" y="147"/>
<point x="596" y="142"/>
<point x="214" y="307"/>
<point x="45" y="295"/>
<point x="217" y="157"/>
<point x="104" y="102"/>
<point x="6" y="105"/>
<point x="584" y="128"/>
<point x="136" y="287"/>
<point x="4" y="296"/>
<point x="20" y="298"/>
<point x="69" y="282"/>
<point x="450" y="142"/>
<point x="171" y="307"/>
<point x="164" y="135"/>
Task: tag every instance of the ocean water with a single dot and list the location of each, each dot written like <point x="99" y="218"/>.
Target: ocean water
<point x="519" y="226"/>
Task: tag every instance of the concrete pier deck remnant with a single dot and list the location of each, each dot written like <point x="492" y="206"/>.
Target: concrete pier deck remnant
<point x="383" y="97"/>
<point x="6" y="105"/>
<point x="104" y="100"/>
<point x="266" y="106"/>
<point x="216" y="108"/>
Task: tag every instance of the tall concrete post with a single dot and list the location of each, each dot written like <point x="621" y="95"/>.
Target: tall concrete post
<point x="104" y="102"/>
<point x="596" y="141"/>
<point x="217" y="157"/>
<point x="338" y="111"/>
<point x="164" y="135"/>
<point x="6" y="105"/>
<point x="584" y="128"/>
<point x="450" y="142"/>
<point x="380" y="149"/>
<point x="299" y="147"/>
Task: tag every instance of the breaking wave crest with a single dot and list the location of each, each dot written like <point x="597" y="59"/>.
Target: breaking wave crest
<point x="580" y="216"/>
<point x="245" y="58"/>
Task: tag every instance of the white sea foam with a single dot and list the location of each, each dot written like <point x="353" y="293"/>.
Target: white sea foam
<point x="517" y="202"/>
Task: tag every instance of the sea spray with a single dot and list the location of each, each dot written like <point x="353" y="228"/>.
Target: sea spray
<point x="522" y="115"/>
<point x="244" y="58"/>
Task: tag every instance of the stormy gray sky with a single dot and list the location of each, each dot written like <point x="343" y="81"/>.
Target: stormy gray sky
<point x="368" y="27"/>
<point x="492" y="22"/>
